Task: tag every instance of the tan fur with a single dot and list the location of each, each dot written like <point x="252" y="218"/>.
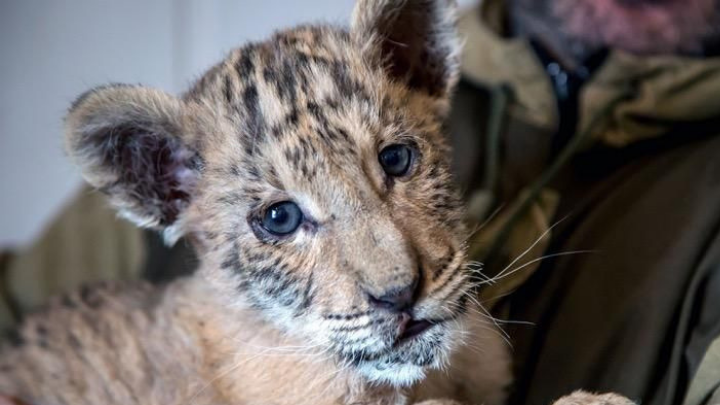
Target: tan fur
<point x="268" y="319"/>
<point x="584" y="398"/>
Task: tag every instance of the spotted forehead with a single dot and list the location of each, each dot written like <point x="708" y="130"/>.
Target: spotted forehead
<point x="305" y="99"/>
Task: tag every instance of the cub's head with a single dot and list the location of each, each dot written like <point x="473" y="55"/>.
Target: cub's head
<point x="312" y="175"/>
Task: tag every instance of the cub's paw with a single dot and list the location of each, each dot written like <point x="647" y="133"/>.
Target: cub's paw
<point x="438" y="402"/>
<point x="585" y="398"/>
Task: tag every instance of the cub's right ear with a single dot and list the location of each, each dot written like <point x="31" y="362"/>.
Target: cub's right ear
<point x="129" y="143"/>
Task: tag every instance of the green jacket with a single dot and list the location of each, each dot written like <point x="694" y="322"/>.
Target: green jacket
<point x="614" y="178"/>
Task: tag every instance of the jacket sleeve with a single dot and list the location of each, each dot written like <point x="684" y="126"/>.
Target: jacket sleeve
<point x="702" y="350"/>
<point x="705" y="386"/>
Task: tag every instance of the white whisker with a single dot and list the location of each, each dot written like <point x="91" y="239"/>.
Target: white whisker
<point x="575" y="252"/>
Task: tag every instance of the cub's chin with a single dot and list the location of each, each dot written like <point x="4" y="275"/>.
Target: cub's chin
<point x="408" y="361"/>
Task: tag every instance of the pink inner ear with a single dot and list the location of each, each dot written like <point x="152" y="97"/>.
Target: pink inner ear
<point x="156" y="173"/>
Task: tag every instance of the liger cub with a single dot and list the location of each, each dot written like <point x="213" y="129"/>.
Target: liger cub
<point x="311" y="174"/>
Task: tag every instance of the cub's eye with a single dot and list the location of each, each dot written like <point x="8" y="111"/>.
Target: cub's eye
<point x="282" y="218"/>
<point x="396" y="160"/>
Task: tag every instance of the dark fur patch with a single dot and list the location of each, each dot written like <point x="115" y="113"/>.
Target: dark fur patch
<point x="308" y="293"/>
<point x="90" y="297"/>
<point x="255" y="121"/>
<point x="16" y="338"/>
<point x="245" y="66"/>
<point x="232" y="262"/>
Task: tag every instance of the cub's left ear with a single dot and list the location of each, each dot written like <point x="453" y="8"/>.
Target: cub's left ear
<point x="415" y="40"/>
<point x="131" y="143"/>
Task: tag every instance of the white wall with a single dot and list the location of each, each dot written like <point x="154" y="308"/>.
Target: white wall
<point x="51" y="51"/>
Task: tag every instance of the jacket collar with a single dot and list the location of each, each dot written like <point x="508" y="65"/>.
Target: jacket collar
<point x="629" y="98"/>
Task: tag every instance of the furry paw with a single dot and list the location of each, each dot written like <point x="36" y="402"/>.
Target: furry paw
<point x="585" y="398"/>
<point x="438" y="402"/>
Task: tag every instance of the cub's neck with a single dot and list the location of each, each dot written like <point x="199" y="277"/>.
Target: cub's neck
<point x="248" y="360"/>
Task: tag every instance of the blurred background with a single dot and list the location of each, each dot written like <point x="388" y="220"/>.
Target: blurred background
<point x="54" y="50"/>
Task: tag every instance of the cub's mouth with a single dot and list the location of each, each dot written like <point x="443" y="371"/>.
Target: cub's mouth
<point x="412" y="328"/>
<point x="404" y="354"/>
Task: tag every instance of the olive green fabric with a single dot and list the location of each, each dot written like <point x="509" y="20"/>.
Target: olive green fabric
<point x="626" y="300"/>
<point x="705" y="387"/>
<point x="85" y="243"/>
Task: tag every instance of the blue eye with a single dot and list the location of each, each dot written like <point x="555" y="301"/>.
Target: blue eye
<point x="396" y="160"/>
<point x="282" y="218"/>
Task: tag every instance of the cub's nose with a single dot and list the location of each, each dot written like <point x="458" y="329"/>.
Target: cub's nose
<point x="398" y="299"/>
